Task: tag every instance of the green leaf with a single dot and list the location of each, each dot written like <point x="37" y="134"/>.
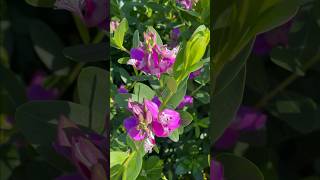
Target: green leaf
<point x="301" y="113"/>
<point x="122" y="99"/>
<point x="136" y="39"/>
<point x="171" y="84"/>
<point x="116" y="172"/>
<point x="123" y="60"/>
<point x="232" y="69"/>
<point x="119" y="34"/>
<point x="196" y="46"/>
<point x="92" y="88"/>
<point x="178" y="96"/>
<point x="143" y="92"/>
<point x="236" y="167"/>
<point x="87" y="53"/>
<point x="44" y="115"/>
<point x="117" y="157"/>
<point x="151" y="169"/>
<point x="186" y="118"/>
<point x="225" y="105"/>
<point x="287" y="59"/>
<point x="203" y="97"/>
<point x="133" y="166"/>
<point x="276" y="14"/>
<point x="48" y="46"/>
<point x="243" y="21"/>
<point x="41" y="3"/>
<point x="82" y="29"/>
<point x="174" y="136"/>
<point x="158" y="37"/>
<point x="12" y="90"/>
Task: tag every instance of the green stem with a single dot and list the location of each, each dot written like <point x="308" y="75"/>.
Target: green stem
<point x="74" y="74"/>
<point x="285" y="83"/>
<point x="198" y="88"/>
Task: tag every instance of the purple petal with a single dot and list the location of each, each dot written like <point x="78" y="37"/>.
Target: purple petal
<point x="74" y="176"/>
<point x="136" y="134"/>
<point x="85" y="155"/>
<point x="159" y="130"/>
<point x="195" y="73"/>
<point x="169" y="119"/>
<point x="38" y="92"/>
<point x="175" y="33"/>
<point x="152" y="108"/>
<point x="228" y="139"/>
<point x="135" y="108"/>
<point x="137" y="53"/>
<point x="249" y="119"/>
<point x="92" y="12"/>
<point x="157" y="101"/>
<point x="216" y="170"/>
<point x="186" y="101"/>
<point x="122" y="89"/>
<point x="130" y="122"/>
<point x="131" y="125"/>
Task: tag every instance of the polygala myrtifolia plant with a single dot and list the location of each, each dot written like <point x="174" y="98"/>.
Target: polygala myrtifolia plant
<point x="151" y="105"/>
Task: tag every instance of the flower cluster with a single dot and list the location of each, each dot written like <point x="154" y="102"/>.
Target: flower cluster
<point x="187" y="4"/>
<point x="152" y="58"/>
<point x="247" y="119"/>
<point x="266" y="41"/>
<point x="148" y="121"/>
<point x="91" y="12"/>
<point x="87" y="151"/>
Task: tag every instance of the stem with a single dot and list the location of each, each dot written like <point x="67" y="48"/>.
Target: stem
<point x="75" y="71"/>
<point x="285" y="83"/>
<point x="198" y="88"/>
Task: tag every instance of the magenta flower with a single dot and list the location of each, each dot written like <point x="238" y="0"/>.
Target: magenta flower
<point x="247" y="119"/>
<point x="36" y="90"/>
<point x="147" y="121"/>
<point x="152" y="58"/>
<point x="266" y="41"/>
<point x="86" y="151"/>
<point x="174" y="35"/>
<point x="92" y="12"/>
<point x="137" y="126"/>
<point x="216" y="170"/>
<point x="186" y="4"/>
<point x="195" y="73"/>
<point x="122" y="89"/>
<point x="168" y="121"/>
<point x="186" y="101"/>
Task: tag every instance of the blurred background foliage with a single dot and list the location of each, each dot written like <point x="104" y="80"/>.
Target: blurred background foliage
<point x="38" y="62"/>
<point x="282" y="80"/>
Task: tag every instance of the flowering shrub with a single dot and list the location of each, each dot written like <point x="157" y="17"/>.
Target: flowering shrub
<point x="157" y="72"/>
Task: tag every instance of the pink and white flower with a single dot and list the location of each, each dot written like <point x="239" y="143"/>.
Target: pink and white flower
<point x="152" y="58"/>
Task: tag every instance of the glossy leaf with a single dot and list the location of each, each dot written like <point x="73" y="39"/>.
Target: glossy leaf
<point x="151" y="169"/>
<point x="48" y="46"/>
<point x="12" y="90"/>
<point x="225" y="105"/>
<point x="117" y="158"/>
<point x="87" y="53"/>
<point x="41" y="3"/>
<point x="132" y="166"/>
<point x="143" y="91"/>
<point x="92" y="88"/>
<point x="236" y="167"/>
